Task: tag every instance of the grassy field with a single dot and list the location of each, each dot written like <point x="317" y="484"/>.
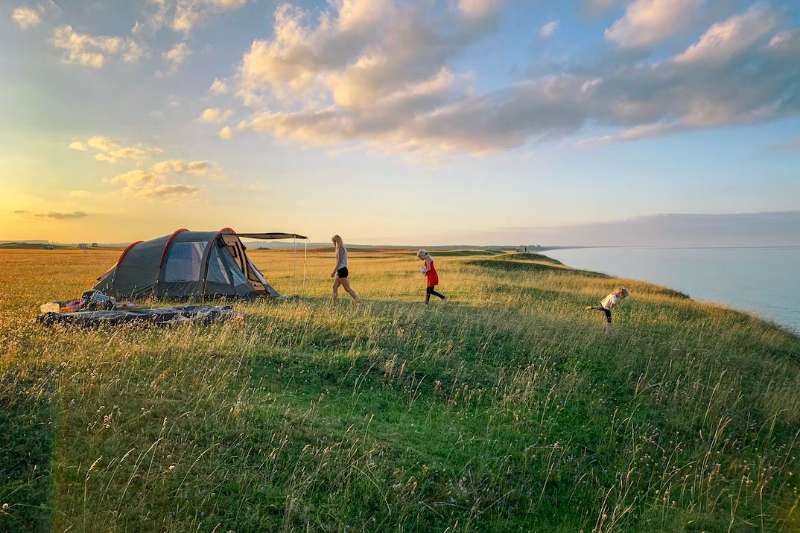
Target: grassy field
<point x="506" y="409"/>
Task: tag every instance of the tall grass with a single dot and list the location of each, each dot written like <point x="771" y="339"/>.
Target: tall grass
<point x="504" y="410"/>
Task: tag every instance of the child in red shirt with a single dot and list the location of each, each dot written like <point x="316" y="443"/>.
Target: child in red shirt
<point x="431" y="276"/>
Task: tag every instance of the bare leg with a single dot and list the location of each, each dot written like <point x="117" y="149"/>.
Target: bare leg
<point x="346" y="284"/>
<point x="336" y="283"/>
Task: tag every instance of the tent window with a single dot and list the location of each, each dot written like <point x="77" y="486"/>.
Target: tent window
<point x="216" y="269"/>
<point x="234" y="268"/>
<point x="185" y="261"/>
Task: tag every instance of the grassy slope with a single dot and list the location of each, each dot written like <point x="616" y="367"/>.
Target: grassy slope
<point x="507" y="409"/>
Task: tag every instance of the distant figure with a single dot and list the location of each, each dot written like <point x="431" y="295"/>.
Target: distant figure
<point x="431" y="277"/>
<point x="608" y="303"/>
<point x="340" y="273"/>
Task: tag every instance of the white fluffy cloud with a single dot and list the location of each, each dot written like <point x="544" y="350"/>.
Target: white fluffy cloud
<point x="155" y="182"/>
<point x="176" y="55"/>
<point x="92" y="50"/>
<point x="215" y="114"/>
<point x="650" y="21"/>
<point x="109" y="150"/>
<point x="218" y="87"/>
<point x="548" y="29"/>
<point x="361" y="51"/>
<point x="26" y="17"/>
<point x="729" y="38"/>
<point x="185" y="15"/>
<point x="382" y="73"/>
<point x="226" y="133"/>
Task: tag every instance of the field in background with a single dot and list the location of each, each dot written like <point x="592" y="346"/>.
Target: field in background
<point x="506" y="409"/>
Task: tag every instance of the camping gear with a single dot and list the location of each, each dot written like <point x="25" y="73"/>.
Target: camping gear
<point x="189" y="264"/>
<point x="68" y="306"/>
<point x="160" y="316"/>
<point x="90" y="301"/>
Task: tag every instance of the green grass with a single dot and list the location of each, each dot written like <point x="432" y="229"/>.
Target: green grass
<point x="504" y="410"/>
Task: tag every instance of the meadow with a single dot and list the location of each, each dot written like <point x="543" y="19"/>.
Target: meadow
<point x="506" y="409"/>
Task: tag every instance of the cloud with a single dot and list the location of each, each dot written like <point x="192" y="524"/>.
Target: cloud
<point x="26" y="17"/>
<point x="155" y="182"/>
<point x="215" y="114"/>
<point x="133" y="52"/>
<point x="218" y="87"/>
<point x="226" y="133"/>
<point x="165" y="191"/>
<point x="56" y="215"/>
<point x="175" y="166"/>
<point x="361" y="51"/>
<point x="92" y="50"/>
<point x="176" y="55"/>
<point x="190" y="13"/>
<point x="391" y="84"/>
<point x="478" y="8"/>
<point x="21" y="212"/>
<point x="727" y="39"/>
<point x="548" y="29"/>
<point x="109" y="150"/>
<point x="150" y="184"/>
<point x="648" y="22"/>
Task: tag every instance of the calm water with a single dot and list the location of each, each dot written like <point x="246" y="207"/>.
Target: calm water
<point x="765" y="281"/>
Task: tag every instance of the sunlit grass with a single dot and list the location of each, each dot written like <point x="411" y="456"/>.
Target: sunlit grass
<point x="505" y="409"/>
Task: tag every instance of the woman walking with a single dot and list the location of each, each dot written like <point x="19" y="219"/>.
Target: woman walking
<point x="431" y="277"/>
<point x="340" y="273"/>
<point x="608" y="303"/>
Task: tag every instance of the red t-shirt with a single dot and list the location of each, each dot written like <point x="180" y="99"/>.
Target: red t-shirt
<point x="431" y="276"/>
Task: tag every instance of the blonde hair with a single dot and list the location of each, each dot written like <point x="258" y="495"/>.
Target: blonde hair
<point x="337" y="241"/>
<point x="624" y="291"/>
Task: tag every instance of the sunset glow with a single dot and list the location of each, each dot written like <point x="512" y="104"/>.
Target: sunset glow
<point x="391" y="121"/>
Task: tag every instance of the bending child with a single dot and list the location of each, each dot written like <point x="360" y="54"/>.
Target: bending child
<point x="431" y="277"/>
<point x="608" y="303"/>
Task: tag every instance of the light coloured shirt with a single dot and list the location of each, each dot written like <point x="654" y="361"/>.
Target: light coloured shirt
<point x="610" y="301"/>
<point x="341" y="257"/>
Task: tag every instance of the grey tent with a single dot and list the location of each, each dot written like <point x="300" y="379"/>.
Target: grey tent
<point x="189" y="264"/>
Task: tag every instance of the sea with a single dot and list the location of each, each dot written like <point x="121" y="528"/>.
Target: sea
<point x="761" y="280"/>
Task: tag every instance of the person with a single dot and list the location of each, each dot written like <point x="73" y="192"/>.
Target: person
<point x="340" y="273"/>
<point x="608" y="303"/>
<point x="431" y="277"/>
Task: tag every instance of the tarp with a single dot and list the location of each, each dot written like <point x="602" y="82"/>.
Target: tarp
<point x="270" y="236"/>
<point x="161" y="316"/>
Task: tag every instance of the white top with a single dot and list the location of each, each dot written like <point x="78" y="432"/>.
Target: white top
<point x="341" y="257"/>
<point x="610" y="301"/>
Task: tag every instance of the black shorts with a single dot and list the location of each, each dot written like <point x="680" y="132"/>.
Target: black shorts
<point x="607" y="312"/>
<point x="342" y="273"/>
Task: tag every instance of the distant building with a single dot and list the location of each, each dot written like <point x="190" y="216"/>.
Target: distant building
<point x="94" y="245"/>
<point x="83" y="246"/>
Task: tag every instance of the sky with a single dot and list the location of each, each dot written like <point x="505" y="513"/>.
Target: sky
<point x="392" y="121"/>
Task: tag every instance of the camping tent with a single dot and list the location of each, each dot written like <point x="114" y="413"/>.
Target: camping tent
<point x="189" y="264"/>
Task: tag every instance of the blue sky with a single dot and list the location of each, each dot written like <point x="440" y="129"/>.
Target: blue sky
<point x="392" y="121"/>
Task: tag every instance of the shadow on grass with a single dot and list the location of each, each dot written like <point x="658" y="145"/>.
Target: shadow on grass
<point x="26" y="445"/>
